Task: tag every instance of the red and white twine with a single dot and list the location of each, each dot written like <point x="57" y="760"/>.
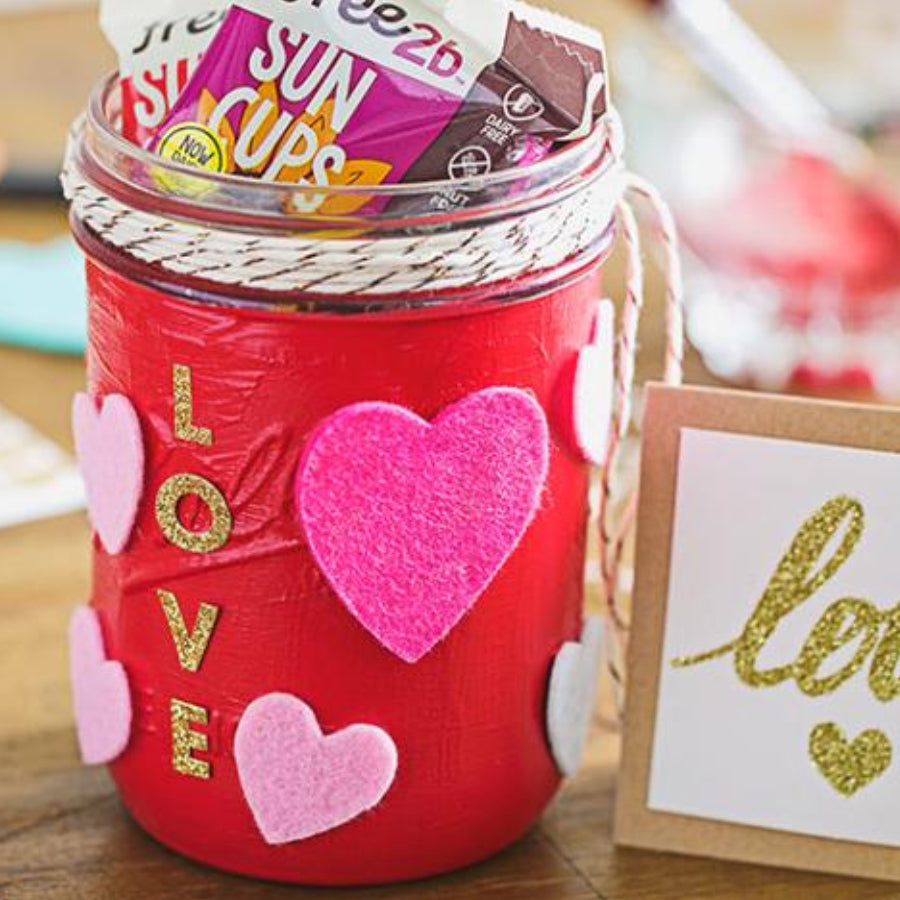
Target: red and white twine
<point x="478" y="253"/>
<point x="616" y="526"/>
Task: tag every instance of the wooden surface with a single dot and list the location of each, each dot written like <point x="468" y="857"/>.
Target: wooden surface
<point x="63" y="833"/>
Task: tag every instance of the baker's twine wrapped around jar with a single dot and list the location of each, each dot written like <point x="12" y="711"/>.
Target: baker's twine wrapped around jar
<point x="471" y="254"/>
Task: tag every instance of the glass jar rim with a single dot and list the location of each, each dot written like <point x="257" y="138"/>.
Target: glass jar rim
<point x="142" y="180"/>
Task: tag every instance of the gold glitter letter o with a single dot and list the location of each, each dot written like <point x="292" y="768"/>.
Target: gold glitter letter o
<point x="215" y="537"/>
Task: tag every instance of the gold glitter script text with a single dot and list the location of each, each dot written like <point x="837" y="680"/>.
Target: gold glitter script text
<point x="798" y="576"/>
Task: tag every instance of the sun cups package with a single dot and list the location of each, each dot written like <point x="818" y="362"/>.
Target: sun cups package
<point x="364" y="92"/>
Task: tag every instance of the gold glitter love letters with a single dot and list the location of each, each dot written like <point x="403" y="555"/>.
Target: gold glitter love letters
<point x="176" y="488"/>
<point x="190" y="645"/>
<point x="800" y="574"/>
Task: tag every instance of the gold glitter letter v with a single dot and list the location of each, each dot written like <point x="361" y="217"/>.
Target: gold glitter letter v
<point x="191" y="646"/>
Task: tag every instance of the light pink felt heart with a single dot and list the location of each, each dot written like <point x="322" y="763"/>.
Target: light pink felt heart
<point x="100" y="691"/>
<point x="299" y="782"/>
<point x="110" y="454"/>
<point x="410" y="521"/>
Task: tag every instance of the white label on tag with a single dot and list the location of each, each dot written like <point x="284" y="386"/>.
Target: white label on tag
<point x="805" y="741"/>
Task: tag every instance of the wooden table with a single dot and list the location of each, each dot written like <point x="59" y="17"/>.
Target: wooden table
<point x="63" y="833"/>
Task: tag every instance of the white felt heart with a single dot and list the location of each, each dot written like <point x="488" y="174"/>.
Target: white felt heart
<point x="299" y="782"/>
<point x="593" y="388"/>
<point x="584" y="393"/>
<point x="571" y="694"/>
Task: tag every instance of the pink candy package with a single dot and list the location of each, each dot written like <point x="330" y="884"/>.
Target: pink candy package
<point x="366" y="92"/>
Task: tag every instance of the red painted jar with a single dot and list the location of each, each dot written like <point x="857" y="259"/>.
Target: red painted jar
<point x="265" y="362"/>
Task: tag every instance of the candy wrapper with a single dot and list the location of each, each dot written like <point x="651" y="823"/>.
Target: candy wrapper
<point x="157" y="55"/>
<point x="365" y="92"/>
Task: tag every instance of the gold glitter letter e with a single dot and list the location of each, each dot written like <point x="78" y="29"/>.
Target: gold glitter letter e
<point x="185" y="740"/>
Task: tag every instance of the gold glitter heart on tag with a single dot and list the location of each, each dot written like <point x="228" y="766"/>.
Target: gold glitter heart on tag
<point x="849" y="765"/>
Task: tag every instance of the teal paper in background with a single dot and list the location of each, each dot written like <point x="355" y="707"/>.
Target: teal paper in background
<point x="42" y="296"/>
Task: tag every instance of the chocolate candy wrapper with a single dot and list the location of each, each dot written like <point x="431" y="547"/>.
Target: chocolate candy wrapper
<point x="159" y="46"/>
<point x="365" y="92"/>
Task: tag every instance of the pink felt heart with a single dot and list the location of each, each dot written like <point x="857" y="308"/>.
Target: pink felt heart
<point x="299" y="782"/>
<point x="111" y="457"/>
<point x="100" y="691"/>
<point x="411" y="521"/>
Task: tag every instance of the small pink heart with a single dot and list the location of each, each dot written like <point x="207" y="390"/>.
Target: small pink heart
<point x="410" y="521"/>
<point x="111" y="456"/>
<point x="100" y="691"/>
<point x="299" y="782"/>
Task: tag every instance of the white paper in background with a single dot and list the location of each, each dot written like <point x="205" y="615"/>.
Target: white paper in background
<point x="730" y="752"/>
<point x="37" y="478"/>
<point x="26" y="6"/>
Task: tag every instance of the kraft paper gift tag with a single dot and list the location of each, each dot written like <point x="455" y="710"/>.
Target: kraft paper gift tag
<point x="762" y="705"/>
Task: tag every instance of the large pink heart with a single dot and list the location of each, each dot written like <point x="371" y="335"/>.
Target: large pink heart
<point x="111" y="457"/>
<point x="411" y="521"/>
<point x="299" y="782"/>
<point x="100" y="691"/>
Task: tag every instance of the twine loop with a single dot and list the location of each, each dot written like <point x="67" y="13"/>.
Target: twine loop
<point x="616" y="526"/>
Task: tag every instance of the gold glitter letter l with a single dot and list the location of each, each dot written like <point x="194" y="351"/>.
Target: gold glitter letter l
<point x="185" y="429"/>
